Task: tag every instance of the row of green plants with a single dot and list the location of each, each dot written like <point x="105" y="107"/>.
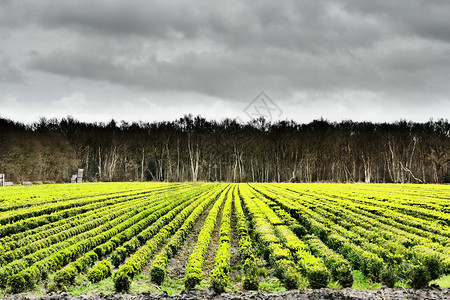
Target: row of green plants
<point x="404" y="207"/>
<point x="367" y="204"/>
<point x="158" y="268"/>
<point x="195" y="262"/>
<point x="246" y="249"/>
<point x="338" y="266"/>
<point x="66" y="276"/>
<point x="22" y="239"/>
<point x="313" y="268"/>
<point x="370" y="264"/>
<point x="306" y="232"/>
<point x="61" y="206"/>
<point x="51" y="259"/>
<point x="34" y="222"/>
<point x="410" y="195"/>
<point x="427" y="233"/>
<point x="17" y="197"/>
<point x="219" y="276"/>
<point x="405" y="238"/>
<point x="28" y="242"/>
<point x="119" y="255"/>
<point x="112" y="218"/>
<point x="373" y="258"/>
<point x="19" y="239"/>
<point x="83" y="225"/>
<point x="135" y="263"/>
<point x="395" y="245"/>
<point x="269" y="244"/>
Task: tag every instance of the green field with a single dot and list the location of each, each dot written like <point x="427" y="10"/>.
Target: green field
<point x="136" y="237"/>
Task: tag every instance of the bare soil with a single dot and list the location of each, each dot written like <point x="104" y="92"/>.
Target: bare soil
<point x="432" y="293"/>
<point x="234" y="242"/>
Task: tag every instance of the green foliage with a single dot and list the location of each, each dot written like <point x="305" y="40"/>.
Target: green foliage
<point x="262" y="272"/>
<point x="183" y="219"/>
<point x="17" y="283"/>
<point x="157" y="272"/>
<point x="219" y="279"/>
<point x="122" y="281"/>
<point x="193" y="277"/>
<point x="100" y="271"/>
<point x="389" y="276"/>
<point x="443" y="282"/>
<point x="298" y="230"/>
<point x="251" y="281"/>
<point x="286" y="271"/>
<point x="219" y="275"/>
<point x="362" y="282"/>
<point x="339" y="267"/>
<point x="197" y="257"/>
<point x="420" y="276"/>
<point x="310" y="234"/>
<point x="66" y="276"/>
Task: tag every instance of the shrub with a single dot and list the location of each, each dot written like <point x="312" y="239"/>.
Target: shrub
<point x="291" y="279"/>
<point x="17" y="283"/>
<point x="193" y="277"/>
<point x="318" y="277"/>
<point x="219" y="279"/>
<point x="118" y="256"/>
<point x="286" y="271"/>
<point x="389" y="276"/>
<point x="299" y="230"/>
<point x="343" y="273"/>
<point x="251" y="274"/>
<point x="100" y="271"/>
<point x="262" y="272"/>
<point x="122" y="282"/>
<point x="157" y="273"/>
<point x="66" y="276"/>
<point x="420" y="276"/>
<point x="95" y="275"/>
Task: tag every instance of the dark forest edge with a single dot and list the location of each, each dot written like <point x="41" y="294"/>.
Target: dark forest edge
<point x="196" y="149"/>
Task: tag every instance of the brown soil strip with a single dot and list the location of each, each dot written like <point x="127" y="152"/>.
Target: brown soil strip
<point x="234" y="243"/>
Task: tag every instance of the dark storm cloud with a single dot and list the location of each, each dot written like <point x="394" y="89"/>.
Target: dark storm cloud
<point x="307" y="25"/>
<point x="230" y="73"/>
<point x="233" y="50"/>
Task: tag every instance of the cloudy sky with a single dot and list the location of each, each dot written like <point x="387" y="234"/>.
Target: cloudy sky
<point x="378" y="60"/>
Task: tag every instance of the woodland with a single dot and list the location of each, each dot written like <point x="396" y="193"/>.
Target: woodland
<point x="193" y="148"/>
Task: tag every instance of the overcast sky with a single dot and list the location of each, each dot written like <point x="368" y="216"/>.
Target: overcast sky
<point x="380" y="60"/>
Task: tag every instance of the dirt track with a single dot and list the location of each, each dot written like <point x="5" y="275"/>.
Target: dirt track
<point x="433" y="292"/>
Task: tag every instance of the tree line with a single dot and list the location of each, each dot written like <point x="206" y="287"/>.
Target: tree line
<point x="196" y="149"/>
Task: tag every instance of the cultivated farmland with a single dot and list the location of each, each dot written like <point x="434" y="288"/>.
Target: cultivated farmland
<point x="127" y="236"/>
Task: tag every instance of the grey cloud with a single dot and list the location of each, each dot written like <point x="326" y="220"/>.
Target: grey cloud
<point x="233" y="50"/>
<point x="228" y="74"/>
<point x="10" y="73"/>
<point x="301" y="25"/>
<point x="424" y="18"/>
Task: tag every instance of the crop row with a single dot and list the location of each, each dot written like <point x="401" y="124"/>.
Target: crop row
<point x="363" y="246"/>
<point x="307" y="233"/>
<point x="196" y="259"/>
<point x="48" y="231"/>
<point x="219" y="276"/>
<point x="135" y="263"/>
<point x="18" y="197"/>
<point x="161" y="212"/>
